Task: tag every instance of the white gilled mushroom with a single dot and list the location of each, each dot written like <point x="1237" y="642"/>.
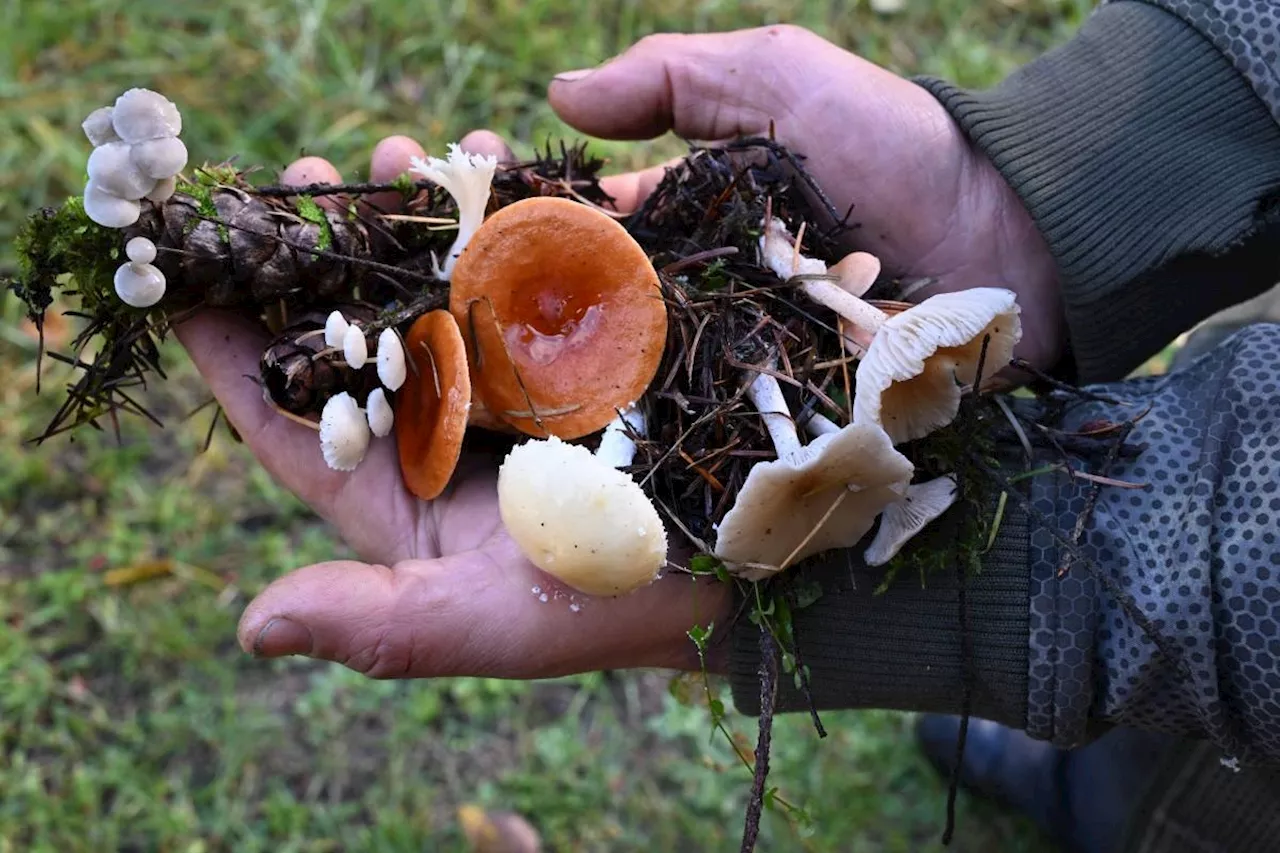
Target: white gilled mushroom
<point x="141" y="114"/>
<point x="108" y="210"/>
<point x="904" y="519"/>
<point x="812" y="498"/>
<point x="159" y="158"/>
<point x="139" y="285"/>
<point x="391" y="366"/>
<point x="112" y="169"/>
<point x="579" y="518"/>
<point x="335" y="329"/>
<point x="910" y="379"/>
<point x="354" y="347"/>
<point x="344" y="433"/>
<point x="97" y="127"/>
<point x="379" y="412"/>
<point x="466" y="177"/>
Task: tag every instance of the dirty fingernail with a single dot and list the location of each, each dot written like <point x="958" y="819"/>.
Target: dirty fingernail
<point x="571" y="76"/>
<point x="282" y="637"/>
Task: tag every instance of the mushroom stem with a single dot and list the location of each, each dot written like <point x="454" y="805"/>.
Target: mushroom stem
<point x="616" y="449"/>
<point x="766" y="395"/>
<point x="819" y="424"/>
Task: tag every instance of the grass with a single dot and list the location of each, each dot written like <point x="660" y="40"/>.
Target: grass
<point x="129" y="720"/>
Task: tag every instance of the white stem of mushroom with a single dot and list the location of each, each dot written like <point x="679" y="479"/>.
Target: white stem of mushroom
<point x="819" y="424"/>
<point x="616" y="447"/>
<point x="766" y="395"/>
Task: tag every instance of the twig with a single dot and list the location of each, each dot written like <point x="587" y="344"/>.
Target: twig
<point x="768" y="692"/>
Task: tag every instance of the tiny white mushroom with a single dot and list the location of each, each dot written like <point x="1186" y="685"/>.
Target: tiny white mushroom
<point x="468" y="178"/>
<point x="391" y="365"/>
<point x="380" y="414"/>
<point x="354" y="347"/>
<point x="344" y="433"/>
<point x="139" y="285"/>
<point x="159" y="158"/>
<point x="335" y="329"/>
<point x="140" y="250"/>
<point x="903" y="519"/>
<point x="111" y="168"/>
<point x="108" y="210"/>
<point x="164" y="190"/>
<point x="97" y="127"/>
<point x="141" y="114"/>
<point x="616" y="447"/>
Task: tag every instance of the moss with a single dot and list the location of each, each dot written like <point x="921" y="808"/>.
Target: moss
<point x="63" y="249"/>
<point x="312" y="212"/>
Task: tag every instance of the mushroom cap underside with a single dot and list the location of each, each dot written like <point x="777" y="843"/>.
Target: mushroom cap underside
<point x="432" y="405"/>
<point x="584" y="522"/>
<point x="563" y="314"/>
<point x="827" y="496"/>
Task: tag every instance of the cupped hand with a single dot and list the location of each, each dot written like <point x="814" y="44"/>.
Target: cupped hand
<point x="443" y="590"/>
<point x="925" y="201"/>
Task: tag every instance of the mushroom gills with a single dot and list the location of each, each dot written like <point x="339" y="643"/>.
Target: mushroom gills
<point x="904" y="519"/>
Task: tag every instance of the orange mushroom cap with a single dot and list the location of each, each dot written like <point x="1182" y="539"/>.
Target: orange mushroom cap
<point x="432" y="405"/>
<point x="563" y="314"/>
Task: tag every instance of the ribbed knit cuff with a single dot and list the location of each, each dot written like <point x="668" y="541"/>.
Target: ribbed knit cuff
<point x="903" y="649"/>
<point x="1137" y="148"/>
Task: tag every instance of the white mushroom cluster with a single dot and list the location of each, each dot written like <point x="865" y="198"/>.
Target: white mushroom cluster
<point x="345" y="428"/>
<point x="468" y="178"/>
<point x="137" y="154"/>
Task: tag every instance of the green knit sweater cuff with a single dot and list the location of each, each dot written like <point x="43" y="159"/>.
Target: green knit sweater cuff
<point x="1137" y="148"/>
<point x="904" y="649"/>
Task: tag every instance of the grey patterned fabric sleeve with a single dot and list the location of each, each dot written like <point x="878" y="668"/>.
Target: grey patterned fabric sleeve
<point x="1197" y="552"/>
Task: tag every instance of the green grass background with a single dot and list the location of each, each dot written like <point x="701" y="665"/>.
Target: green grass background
<point x="129" y="719"/>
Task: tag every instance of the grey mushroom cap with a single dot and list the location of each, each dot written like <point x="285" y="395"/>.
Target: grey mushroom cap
<point x="139" y="285"/>
<point x="902" y="520"/>
<point x="159" y="158"/>
<point x="825" y="496"/>
<point x="97" y="127"/>
<point x="141" y="114"/>
<point x="109" y="211"/>
<point x="112" y="169"/>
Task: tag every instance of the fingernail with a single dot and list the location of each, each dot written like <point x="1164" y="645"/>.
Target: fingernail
<point x="282" y="637"/>
<point x="571" y="76"/>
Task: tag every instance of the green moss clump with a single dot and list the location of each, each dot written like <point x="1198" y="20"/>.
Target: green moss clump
<point x="63" y="249"/>
<point x="309" y="210"/>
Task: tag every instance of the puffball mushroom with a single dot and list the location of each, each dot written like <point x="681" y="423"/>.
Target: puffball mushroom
<point x="432" y="406"/>
<point x="903" y="519"/>
<point x="112" y="169"/>
<point x="344" y="433"/>
<point x="391" y="366"/>
<point x="141" y="114"/>
<point x="580" y="519"/>
<point x="97" y="127"/>
<point x="159" y="158"/>
<point x="468" y="178"/>
<point x="108" y="210"/>
<point x="909" y="380"/>
<point x="139" y="285"/>
<point x="812" y="498"/>
<point x="563" y="314"/>
<point x="140" y="250"/>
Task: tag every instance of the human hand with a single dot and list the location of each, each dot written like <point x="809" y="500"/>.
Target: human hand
<point x="928" y="204"/>
<point x="444" y="591"/>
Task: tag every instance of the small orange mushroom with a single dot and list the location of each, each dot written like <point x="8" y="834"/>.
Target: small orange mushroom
<point x="563" y="315"/>
<point x="432" y="406"/>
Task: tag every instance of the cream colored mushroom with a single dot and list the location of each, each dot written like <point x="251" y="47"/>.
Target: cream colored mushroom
<point x="909" y="381"/>
<point x="355" y="349"/>
<point x="335" y="329"/>
<point x="812" y="498"/>
<point x="379" y="413"/>
<point x="344" y="433"/>
<point x="391" y="365"/>
<point x="579" y="518"/>
<point x="903" y="519"/>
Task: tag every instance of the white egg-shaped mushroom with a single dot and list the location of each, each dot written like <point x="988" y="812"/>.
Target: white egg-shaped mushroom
<point x="164" y="190"/>
<point x="109" y="211"/>
<point x="159" y="158"/>
<point x="344" y="433"/>
<point x="140" y="250"/>
<point x="380" y="414"/>
<point x="355" y="349"/>
<point x="141" y="114"/>
<point x="112" y="169"/>
<point x="335" y="329"/>
<point x="97" y="127"/>
<point x="579" y="519"/>
<point x="139" y="285"/>
<point x="391" y="365"/>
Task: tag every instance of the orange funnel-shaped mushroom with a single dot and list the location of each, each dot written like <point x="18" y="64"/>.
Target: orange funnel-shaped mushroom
<point x="563" y="314"/>
<point x="432" y="405"/>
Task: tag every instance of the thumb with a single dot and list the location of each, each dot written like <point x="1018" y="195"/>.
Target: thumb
<point x="704" y="87"/>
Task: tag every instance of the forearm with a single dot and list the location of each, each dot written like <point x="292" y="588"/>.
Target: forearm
<point x="1183" y="634"/>
<point x="1150" y="162"/>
